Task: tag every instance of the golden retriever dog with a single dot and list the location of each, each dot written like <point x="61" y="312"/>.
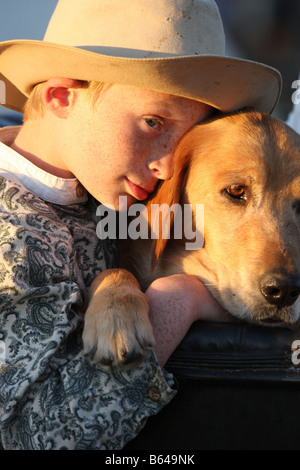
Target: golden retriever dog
<point x="244" y="169"/>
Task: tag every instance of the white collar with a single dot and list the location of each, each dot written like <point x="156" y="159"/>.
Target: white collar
<point x="63" y="191"/>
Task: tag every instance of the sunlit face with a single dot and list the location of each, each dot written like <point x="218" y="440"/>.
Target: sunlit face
<point x="125" y="143"/>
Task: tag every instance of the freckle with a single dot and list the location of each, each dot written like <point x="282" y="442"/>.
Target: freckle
<point x="165" y="146"/>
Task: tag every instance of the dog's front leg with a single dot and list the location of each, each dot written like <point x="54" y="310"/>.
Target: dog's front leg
<point x="117" y="329"/>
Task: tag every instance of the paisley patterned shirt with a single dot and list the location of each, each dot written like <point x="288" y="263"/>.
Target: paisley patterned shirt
<point x="51" y="395"/>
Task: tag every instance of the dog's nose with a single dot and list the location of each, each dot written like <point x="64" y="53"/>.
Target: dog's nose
<point x="280" y="289"/>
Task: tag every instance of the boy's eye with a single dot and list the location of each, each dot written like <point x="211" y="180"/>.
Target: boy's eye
<point x="153" y="123"/>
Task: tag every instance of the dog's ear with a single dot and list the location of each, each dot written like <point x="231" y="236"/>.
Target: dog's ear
<point x="169" y="192"/>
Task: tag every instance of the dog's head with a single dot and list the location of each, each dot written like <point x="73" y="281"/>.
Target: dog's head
<point x="245" y="169"/>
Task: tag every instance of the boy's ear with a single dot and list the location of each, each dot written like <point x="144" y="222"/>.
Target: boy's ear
<point x="59" y="95"/>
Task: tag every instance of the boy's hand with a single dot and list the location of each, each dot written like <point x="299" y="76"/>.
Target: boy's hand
<point x="175" y="303"/>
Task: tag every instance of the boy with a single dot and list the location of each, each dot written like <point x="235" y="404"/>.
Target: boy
<point x="115" y="86"/>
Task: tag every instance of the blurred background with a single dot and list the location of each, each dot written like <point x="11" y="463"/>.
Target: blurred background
<point x="262" y="30"/>
<point x="266" y="31"/>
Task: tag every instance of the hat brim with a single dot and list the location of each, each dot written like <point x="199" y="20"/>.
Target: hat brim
<point x="225" y="83"/>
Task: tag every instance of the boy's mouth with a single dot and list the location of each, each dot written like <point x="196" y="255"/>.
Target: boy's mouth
<point x="139" y="192"/>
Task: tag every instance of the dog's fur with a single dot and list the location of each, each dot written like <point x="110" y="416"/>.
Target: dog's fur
<point x="245" y="169"/>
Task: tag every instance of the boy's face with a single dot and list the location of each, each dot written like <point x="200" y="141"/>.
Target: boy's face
<point x="125" y="144"/>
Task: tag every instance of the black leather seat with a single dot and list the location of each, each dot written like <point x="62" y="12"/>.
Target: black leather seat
<point x="237" y="389"/>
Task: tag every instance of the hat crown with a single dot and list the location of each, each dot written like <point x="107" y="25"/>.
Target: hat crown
<point x="139" y="28"/>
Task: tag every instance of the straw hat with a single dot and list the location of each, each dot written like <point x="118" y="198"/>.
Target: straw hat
<point x="171" y="46"/>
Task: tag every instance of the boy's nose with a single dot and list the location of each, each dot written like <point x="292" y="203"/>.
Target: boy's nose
<point x="162" y="168"/>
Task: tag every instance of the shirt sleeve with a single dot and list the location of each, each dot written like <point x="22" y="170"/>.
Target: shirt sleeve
<point x="51" y="395"/>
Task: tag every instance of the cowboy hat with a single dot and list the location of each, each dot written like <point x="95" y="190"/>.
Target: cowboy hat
<point x="171" y="46"/>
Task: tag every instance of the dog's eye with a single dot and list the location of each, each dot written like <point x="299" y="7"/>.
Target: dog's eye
<point x="236" y="191"/>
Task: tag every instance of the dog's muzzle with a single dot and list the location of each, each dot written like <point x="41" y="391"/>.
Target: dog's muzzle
<point x="280" y="289"/>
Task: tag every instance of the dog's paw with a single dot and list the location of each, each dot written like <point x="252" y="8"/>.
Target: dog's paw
<point x="117" y="329"/>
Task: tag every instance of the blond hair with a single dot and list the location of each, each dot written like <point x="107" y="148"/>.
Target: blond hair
<point x="34" y="107"/>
